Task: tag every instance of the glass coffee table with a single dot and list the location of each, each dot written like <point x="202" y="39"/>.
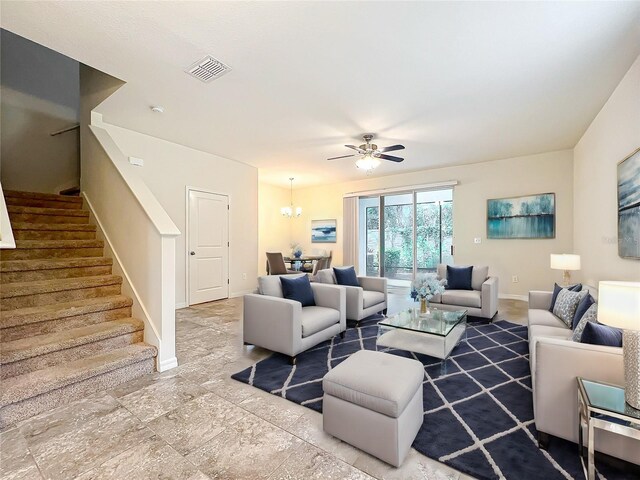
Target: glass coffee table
<point x="435" y="333"/>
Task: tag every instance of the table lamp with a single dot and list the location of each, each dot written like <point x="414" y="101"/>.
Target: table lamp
<point x="565" y="262"/>
<point x="619" y="306"/>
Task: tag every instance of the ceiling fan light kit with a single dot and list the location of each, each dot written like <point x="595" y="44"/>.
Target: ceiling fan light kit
<point x="370" y="155"/>
<point x="291" y="211"/>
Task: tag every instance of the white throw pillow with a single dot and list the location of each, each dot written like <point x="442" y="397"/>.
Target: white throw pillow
<point x="566" y="304"/>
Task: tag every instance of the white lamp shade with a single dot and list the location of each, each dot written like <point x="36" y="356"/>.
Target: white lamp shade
<point x="619" y="304"/>
<point x="565" y="261"/>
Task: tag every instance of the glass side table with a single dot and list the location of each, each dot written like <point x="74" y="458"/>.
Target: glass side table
<point x="602" y="406"/>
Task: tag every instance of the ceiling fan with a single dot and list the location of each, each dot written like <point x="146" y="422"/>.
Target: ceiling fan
<point x="370" y="153"/>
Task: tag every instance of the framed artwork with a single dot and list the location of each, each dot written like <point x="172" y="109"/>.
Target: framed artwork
<point x="323" y="231"/>
<point x="530" y="216"/>
<point x="629" y="206"/>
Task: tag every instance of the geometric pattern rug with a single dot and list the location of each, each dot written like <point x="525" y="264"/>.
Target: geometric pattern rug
<point x="478" y="416"/>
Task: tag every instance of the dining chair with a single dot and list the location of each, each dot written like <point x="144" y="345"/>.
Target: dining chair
<point x="328" y="260"/>
<point x="276" y="265"/>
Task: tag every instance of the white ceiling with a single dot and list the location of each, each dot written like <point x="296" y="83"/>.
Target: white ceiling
<point x="454" y="82"/>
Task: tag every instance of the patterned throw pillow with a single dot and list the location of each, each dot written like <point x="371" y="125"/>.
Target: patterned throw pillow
<point x="591" y="315"/>
<point x="566" y="304"/>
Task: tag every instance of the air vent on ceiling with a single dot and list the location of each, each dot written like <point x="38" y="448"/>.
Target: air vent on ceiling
<point x="208" y="69"/>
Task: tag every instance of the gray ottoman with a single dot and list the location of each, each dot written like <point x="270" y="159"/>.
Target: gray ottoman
<point x="373" y="401"/>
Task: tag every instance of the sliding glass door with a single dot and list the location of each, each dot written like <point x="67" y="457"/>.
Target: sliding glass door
<point x="402" y="234"/>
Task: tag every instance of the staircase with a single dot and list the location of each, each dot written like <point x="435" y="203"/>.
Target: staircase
<point x="65" y="328"/>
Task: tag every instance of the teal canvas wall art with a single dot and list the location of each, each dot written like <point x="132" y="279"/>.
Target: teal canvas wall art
<point x="629" y="206"/>
<point x="531" y="216"/>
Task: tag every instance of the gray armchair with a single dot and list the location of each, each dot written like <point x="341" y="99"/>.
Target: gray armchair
<point x="482" y="301"/>
<point x="369" y="298"/>
<point x="285" y="326"/>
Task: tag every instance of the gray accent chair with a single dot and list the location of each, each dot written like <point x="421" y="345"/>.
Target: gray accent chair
<point x="285" y="326"/>
<point x="556" y="361"/>
<point x="363" y="301"/>
<point x="482" y="301"/>
<point x="373" y="401"/>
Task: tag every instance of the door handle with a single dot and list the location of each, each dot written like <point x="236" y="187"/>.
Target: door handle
<point x="192" y="253"/>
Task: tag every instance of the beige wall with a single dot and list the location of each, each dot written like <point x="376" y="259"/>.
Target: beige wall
<point x="40" y="95"/>
<point x="169" y="168"/>
<point x="528" y="259"/>
<point x="613" y="134"/>
<point x="275" y="230"/>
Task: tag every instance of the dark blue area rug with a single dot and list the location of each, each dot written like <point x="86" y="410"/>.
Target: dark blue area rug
<point x="478" y="416"/>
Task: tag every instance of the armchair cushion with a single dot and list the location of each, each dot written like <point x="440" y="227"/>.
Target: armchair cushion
<point x="298" y="289"/>
<point x="316" y="319"/>
<point x="346" y="276"/>
<point x="459" y="278"/>
<point x="464" y="298"/>
<point x="271" y="286"/>
<point x="371" y="298"/>
<point x="478" y="276"/>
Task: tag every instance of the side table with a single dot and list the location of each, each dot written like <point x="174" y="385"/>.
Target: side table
<point x="601" y="405"/>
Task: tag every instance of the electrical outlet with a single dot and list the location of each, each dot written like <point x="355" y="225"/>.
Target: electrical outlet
<point x="244" y="276"/>
<point x="514" y="279"/>
<point x="138" y="162"/>
<point x="477" y="240"/>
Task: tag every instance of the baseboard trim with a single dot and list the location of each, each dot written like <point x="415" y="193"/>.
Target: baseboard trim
<point x="240" y="293"/>
<point x="167" y="364"/>
<point x="511" y="296"/>
<point x="181" y="305"/>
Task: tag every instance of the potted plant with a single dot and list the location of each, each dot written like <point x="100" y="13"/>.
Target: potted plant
<point x="424" y="287"/>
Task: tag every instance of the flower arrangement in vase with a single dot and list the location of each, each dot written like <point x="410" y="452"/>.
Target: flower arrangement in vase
<point x="296" y="250"/>
<point x="425" y="287"/>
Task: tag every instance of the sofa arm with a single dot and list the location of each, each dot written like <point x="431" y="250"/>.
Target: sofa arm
<point x="489" y="297"/>
<point x="558" y="363"/>
<point x="375" y="284"/>
<point x="540" y="300"/>
<point x="273" y="323"/>
<point x="332" y="296"/>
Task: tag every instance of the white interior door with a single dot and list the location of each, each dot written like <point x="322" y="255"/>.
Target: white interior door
<point x="208" y="249"/>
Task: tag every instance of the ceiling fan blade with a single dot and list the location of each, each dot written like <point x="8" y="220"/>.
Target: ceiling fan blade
<point x="343" y="156"/>
<point x="392" y="148"/>
<point x="391" y="157"/>
<point x="357" y="149"/>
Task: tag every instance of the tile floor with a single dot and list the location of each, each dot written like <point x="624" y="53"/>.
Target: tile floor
<point x="195" y="423"/>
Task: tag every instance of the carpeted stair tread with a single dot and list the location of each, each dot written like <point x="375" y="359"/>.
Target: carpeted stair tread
<point x="10" y="290"/>
<point x="54" y="311"/>
<point x="76" y="227"/>
<point x="57" y="244"/>
<point x="42" y="344"/>
<point x="57" y="212"/>
<point x="42" y="196"/>
<point x="22" y="387"/>
<point x="53" y="264"/>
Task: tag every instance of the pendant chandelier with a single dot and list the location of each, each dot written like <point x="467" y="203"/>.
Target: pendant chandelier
<point x="291" y="211"/>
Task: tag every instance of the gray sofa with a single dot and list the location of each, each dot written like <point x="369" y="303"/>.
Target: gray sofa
<point x="482" y="301"/>
<point x="281" y="325"/>
<point x="369" y="298"/>
<point x="556" y="361"/>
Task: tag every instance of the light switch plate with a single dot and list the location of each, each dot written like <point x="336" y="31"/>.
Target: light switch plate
<point x="138" y="162"/>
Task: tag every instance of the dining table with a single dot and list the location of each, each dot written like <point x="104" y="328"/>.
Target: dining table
<point x="303" y="261"/>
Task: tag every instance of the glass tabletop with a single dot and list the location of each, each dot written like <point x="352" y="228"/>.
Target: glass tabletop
<point x="436" y="322"/>
<point x="608" y="397"/>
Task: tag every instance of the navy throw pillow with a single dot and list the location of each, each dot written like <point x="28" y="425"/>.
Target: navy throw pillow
<point x="459" y="278"/>
<point x="556" y="290"/>
<point x="298" y="289"/>
<point x="346" y="276"/>
<point x="581" y="309"/>
<point x="599" y="334"/>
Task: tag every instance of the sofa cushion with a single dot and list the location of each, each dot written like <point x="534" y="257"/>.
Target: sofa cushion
<point x="376" y="381"/>
<point x="598" y="334"/>
<point x="298" y="289"/>
<point x="316" y="319"/>
<point x="538" y="331"/>
<point x="544" y="317"/>
<point x="566" y="305"/>
<point x="270" y="284"/>
<point x="346" y="276"/>
<point x="464" y="298"/>
<point x="478" y="276"/>
<point x="581" y="309"/>
<point x="371" y="298"/>
<point x="556" y="290"/>
<point x="591" y="315"/>
<point x="459" y="278"/>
